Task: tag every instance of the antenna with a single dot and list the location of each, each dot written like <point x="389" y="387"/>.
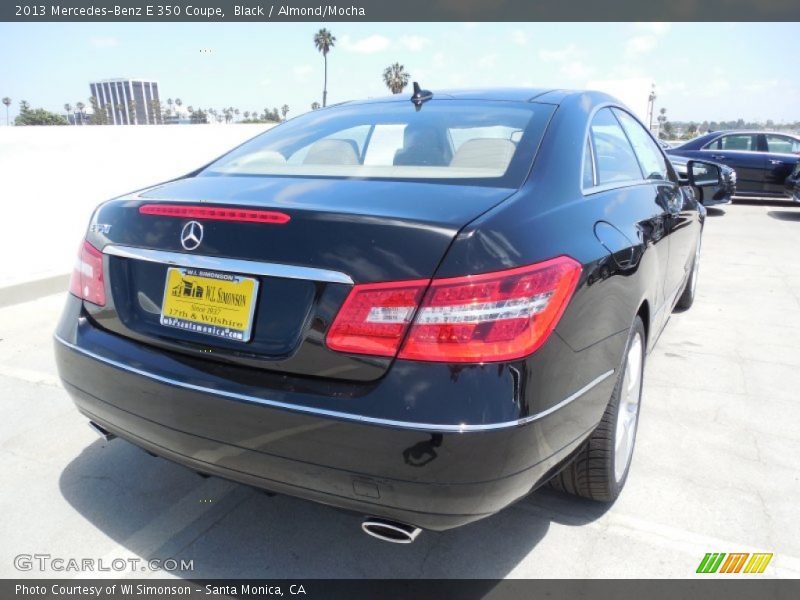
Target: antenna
<point x="420" y="96"/>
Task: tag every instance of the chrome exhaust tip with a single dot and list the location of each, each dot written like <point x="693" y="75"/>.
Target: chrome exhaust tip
<point x="390" y="531"/>
<point x="106" y="435"/>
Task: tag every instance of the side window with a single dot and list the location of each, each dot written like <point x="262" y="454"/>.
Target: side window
<point x="734" y="141"/>
<point x="782" y="144"/>
<point x="654" y="165"/>
<point x="588" y="165"/>
<point x="614" y="157"/>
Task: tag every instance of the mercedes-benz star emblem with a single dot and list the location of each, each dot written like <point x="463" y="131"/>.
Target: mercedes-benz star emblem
<point x="191" y="235"/>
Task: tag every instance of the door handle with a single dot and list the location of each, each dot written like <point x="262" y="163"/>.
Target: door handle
<point x="775" y="162"/>
<point x="718" y="156"/>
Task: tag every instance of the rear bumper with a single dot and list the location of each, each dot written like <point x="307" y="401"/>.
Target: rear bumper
<point x="435" y="478"/>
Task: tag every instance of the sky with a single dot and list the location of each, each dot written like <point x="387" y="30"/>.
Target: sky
<point x="702" y="71"/>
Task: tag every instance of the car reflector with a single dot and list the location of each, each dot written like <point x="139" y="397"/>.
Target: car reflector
<point x="215" y="213"/>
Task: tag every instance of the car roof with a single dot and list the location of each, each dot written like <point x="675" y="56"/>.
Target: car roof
<point x="548" y="95"/>
<point x="751" y="132"/>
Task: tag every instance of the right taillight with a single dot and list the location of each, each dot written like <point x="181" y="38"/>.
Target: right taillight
<point x="489" y="317"/>
<point x="493" y="316"/>
<point x="88" y="280"/>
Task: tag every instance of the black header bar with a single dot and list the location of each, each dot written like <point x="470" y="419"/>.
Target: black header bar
<point x="397" y="10"/>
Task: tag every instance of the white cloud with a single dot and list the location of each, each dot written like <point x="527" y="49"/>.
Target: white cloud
<point x="658" y="28"/>
<point x="576" y="70"/>
<point x="641" y="44"/>
<point x="570" y="59"/>
<point x="368" y="45"/>
<point x="439" y="61"/>
<point x="559" y="55"/>
<point x="488" y="61"/>
<point x="414" y="43"/>
<point x="649" y="37"/>
<point x="302" y="72"/>
<point x="104" y="42"/>
<point x="519" y="37"/>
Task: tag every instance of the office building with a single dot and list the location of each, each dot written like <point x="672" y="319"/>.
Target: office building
<point x="127" y="101"/>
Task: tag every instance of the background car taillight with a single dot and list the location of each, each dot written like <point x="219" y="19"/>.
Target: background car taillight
<point x="479" y="318"/>
<point x="88" y="281"/>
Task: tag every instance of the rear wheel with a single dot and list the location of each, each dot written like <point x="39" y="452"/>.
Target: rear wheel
<point x="601" y="465"/>
<point x="687" y="297"/>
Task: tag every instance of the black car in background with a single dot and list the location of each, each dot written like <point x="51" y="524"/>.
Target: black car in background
<point x="762" y="160"/>
<point x="419" y="310"/>
<point x="792" y="189"/>
<point x="714" y="183"/>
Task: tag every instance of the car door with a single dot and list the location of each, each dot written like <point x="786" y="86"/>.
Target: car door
<point x="680" y="218"/>
<point x="631" y="217"/>
<point x="740" y="151"/>
<point x="781" y="159"/>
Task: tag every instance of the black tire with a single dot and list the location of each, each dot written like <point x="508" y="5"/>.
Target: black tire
<point x="687" y="296"/>
<point x="593" y="473"/>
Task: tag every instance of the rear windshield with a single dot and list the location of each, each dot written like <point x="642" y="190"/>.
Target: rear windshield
<point x="478" y="142"/>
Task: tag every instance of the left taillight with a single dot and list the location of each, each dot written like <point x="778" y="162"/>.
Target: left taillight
<point x="88" y="280"/>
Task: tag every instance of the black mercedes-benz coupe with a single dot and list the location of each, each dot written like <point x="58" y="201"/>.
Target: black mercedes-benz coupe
<point x="419" y="309"/>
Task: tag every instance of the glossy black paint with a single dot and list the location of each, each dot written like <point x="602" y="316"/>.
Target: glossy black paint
<point x="213" y="407"/>
<point x="759" y="171"/>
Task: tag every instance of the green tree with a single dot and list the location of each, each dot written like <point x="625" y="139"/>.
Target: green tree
<point x="68" y="110"/>
<point x="155" y="111"/>
<point x="99" y="116"/>
<point x="315" y="105"/>
<point x="133" y="119"/>
<point x="37" y="116"/>
<point x="198" y="116"/>
<point x="284" y="111"/>
<point x="81" y="111"/>
<point x="692" y="129"/>
<point x="178" y="103"/>
<point x="324" y="41"/>
<point x="396" y="77"/>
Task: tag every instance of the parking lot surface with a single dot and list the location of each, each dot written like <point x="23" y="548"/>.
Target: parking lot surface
<point x="715" y="467"/>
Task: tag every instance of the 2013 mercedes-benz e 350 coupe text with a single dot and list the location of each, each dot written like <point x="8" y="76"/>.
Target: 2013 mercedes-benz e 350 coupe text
<point x="417" y="309"/>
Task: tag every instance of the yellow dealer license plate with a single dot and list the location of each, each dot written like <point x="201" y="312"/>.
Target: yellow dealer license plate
<point x="209" y="302"/>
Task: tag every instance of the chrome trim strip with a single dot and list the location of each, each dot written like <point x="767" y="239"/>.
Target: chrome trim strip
<point x="216" y="263"/>
<point x="321" y="412"/>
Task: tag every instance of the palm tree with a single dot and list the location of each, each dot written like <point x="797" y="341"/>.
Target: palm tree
<point x="315" y="105"/>
<point x="7" y="102"/>
<point x="246" y="114"/>
<point x="178" y="103"/>
<point x="133" y="118"/>
<point x="81" y="106"/>
<point x="285" y="111"/>
<point x="68" y="110"/>
<point x="395" y="77"/>
<point x="170" y="102"/>
<point x="324" y="41"/>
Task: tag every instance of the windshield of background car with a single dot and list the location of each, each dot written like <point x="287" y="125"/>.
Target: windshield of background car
<point x="449" y="141"/>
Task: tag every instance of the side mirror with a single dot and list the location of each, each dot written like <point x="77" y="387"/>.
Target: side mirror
<point x="700" y="173"/>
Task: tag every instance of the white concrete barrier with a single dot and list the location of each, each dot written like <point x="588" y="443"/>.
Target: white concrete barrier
<point x="51" y="178"/>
